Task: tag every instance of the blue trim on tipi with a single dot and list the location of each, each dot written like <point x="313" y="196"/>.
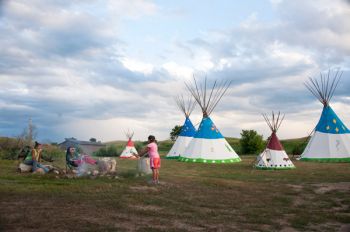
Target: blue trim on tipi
<point x="208" y="130"/>
<point x="188" y="130"/>
<point x="330" y="123"/>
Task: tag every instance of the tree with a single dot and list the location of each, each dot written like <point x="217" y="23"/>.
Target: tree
<point x="251" y="142"/>
<point x="93" y="140"/>
<point x="29" y="134"/>
<point x="175" y="132"/>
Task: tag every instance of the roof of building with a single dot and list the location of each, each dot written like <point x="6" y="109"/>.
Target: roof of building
<point x="75" y="141"/>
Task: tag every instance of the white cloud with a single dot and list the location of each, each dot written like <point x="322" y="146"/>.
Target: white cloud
<point x="178" y="71"/>
<point x="137" y="66"/>
<point x="133" y="9"/>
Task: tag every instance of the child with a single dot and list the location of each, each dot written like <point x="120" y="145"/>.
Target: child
<point x="152" y="150"/>
<point x="74" y="159"/>
<point x="35" y="158"/>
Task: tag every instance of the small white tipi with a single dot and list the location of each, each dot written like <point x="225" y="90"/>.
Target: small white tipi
<point x="331" y="140"/>
<point x="187" y="131"/>
<point x="129" y="150"/>
<point x="208" y="145"/>
<point x="274" y="156"/>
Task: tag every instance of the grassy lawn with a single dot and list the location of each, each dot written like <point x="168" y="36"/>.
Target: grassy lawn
<point x="191" y="197"/>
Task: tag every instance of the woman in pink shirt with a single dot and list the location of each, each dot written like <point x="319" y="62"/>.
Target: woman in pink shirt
<point x="152" y="150"/>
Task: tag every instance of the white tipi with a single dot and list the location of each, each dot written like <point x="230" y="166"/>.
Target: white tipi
<point x="187" y="131"/>
<point x="274" y="155"/>
<point x="331" y="140"/>
<point x="129" y="150"/>
<point x="208" y="145"/>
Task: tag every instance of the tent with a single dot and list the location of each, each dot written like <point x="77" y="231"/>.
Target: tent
<point x="129" y="150"/>
<point x="208" y="145"/>
<point x="331" y="140"/>
<point x="187" y="131"/>
<point x="274" y="155"/>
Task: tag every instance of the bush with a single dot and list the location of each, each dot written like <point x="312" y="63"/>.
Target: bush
<point x="251" y="142"/>
<point x="139" y="146"/>
<point x="10" y="148"/>
<point x="52" y="152"/>
<point x="175" y="132"/>
<point x="108" y="151"/>
<point x="298" y="149"/>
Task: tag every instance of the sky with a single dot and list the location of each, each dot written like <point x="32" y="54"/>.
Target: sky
<point x="97" y="68"/>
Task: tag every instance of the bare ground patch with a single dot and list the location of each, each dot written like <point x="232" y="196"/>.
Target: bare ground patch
<point x="327" y="187"/>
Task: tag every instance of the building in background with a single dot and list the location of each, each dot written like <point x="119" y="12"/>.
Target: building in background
<point x="86" y="147"/>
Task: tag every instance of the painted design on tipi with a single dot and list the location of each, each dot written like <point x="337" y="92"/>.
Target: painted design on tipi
<point x="208" y="145"/>
<point x="331" y="140"/>
<point x="208" y="130"/>
<point x="274" y="156"/>
<point x="187" y="130"/>
<point x="129" y="150"/>
<point x="330" y="123"/>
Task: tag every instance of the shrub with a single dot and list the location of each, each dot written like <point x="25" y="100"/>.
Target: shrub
<point x="10" y="148"/>
<point x="251" y="142"/>
<point x="298" y="149"/>
<point x="108" y="151"/>
<point x="52" y="152"/>
<point x="175" y="132"/>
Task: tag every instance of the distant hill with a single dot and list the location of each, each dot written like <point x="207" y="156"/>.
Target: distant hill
<point x="165" y="145"/>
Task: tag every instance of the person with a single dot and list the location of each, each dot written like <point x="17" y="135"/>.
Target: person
<point x="34" y="158"/>
<point x="152" y="150"/>
<point x="24" y="152"/>
<point x="74" y="159"/>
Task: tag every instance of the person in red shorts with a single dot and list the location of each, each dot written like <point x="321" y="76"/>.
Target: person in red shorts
<point x="152" y="151"/>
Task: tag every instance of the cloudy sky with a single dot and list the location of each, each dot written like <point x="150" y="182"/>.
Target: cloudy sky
<point x="96" y="68"/>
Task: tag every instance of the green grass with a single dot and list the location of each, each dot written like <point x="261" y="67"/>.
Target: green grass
<point x="191" y="197"/>
<point x="165" y="145"/>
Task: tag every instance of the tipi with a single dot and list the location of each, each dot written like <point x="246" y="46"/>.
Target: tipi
<point x="188" y="130"/>
<point x="129" y="150"/>
<point x="208" y="145"/>
<point x="274" y="156"/>
<point x="331" y="140"/>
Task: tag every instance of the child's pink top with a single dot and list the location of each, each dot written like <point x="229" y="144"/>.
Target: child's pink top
<point x="153" y="150"/>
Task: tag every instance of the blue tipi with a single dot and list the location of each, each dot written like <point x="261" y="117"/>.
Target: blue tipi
<point x="331" y="140"/>
<point x="208" y="145"/>
<point x="187" y="130"/>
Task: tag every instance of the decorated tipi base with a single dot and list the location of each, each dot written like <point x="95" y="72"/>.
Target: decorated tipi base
<point x="331" y="140"/>
<point x="214" y="150"/>
<point x="128" y="153"/>
<point x="179" y="146"/>
<point x="209" y="161"/>
<point x="274" y="160"/>
<point x="274" y="156"/>
<point x="336" y="145"/>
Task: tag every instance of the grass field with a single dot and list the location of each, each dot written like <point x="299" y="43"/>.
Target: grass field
<point x="191" y="197"/>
